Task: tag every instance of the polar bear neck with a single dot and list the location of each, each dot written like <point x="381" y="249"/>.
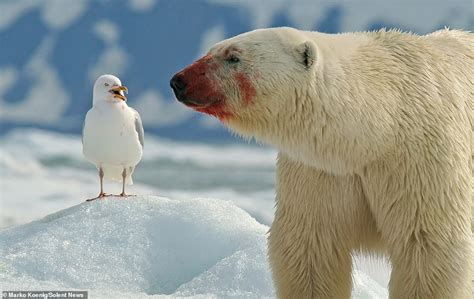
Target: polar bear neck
<point x="328" y="138"/>
<point x="365" y="94"/>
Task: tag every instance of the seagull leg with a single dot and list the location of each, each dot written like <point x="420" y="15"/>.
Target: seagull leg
<point x="124" y="176"/>
<point x="102" y="193"/>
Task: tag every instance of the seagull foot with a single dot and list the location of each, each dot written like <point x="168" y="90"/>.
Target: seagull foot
<point x="126" y="195"/>
<point x="101" y="195"/>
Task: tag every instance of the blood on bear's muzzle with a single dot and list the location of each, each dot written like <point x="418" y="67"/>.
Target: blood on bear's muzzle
<point x="194" y="96"/>
<point x="196" y="86"/>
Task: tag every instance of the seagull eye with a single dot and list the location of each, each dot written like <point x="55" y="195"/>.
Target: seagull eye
<point x="106" y="84"/>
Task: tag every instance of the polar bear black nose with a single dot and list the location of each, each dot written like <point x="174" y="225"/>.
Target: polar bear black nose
<point x="178" y="84"/>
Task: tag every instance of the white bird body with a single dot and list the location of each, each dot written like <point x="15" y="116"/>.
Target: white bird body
<point x="112" y="136"/>
<point x="110" y="139"/>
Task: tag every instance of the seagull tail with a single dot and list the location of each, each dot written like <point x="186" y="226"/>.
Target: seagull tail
<point x="114" y="173"/>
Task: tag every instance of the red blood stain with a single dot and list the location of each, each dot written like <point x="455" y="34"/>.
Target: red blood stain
<point x="202" y="88"/>
<point x="247" y="90"/>
<point x="200" y="85"/>
<point x="218" y="110"/>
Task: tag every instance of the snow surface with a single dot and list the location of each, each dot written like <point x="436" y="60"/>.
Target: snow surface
<point x="42" y="172"/>
<point x="144" y="246"/>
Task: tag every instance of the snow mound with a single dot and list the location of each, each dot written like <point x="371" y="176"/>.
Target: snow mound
<point x="144" y="246"/>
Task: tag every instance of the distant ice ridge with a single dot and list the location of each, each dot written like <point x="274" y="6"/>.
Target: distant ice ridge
<point x="58" y="176"/>
<point x="51" y="144"/>
<point x="146" y="246"/>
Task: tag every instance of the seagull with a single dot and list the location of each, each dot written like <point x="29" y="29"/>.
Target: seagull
<point x="112" y="134"/>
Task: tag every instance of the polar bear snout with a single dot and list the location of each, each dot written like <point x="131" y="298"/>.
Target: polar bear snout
<point x="195" y="91"/>
<point x="178" y="85"/>
<point x="197" y="86"/>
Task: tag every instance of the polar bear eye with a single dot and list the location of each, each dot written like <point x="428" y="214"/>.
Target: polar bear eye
<point x="233" y="59"/>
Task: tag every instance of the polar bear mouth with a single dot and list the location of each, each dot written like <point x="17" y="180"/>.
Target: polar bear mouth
<point x="199" y="104"/>
<point x="214" y="107"/>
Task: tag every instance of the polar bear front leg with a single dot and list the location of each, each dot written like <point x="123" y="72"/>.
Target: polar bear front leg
<point x="320" y="219"/>
<point x="423" y="210"/>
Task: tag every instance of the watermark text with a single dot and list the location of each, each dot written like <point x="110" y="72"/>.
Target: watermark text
<point x="45" y="294"/>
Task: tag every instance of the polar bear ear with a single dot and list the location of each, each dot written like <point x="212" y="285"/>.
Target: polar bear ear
<point x="307" y="53"/>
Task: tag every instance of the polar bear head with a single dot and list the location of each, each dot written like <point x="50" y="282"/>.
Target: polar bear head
<point x="252" y="81"/>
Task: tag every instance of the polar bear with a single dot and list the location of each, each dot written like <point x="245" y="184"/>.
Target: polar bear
<point x="375" y="139"/>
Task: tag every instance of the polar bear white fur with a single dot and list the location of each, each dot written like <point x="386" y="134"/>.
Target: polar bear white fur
<point x="375" y="139"/>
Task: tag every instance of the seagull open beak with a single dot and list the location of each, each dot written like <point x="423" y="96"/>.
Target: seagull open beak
<point x="118" y="92"/>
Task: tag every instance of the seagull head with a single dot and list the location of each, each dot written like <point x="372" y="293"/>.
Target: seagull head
<point x="109" y="88"/>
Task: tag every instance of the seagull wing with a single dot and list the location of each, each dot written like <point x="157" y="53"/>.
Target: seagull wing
<point x="84" y="125"/>
<point x="139" y="127"/>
